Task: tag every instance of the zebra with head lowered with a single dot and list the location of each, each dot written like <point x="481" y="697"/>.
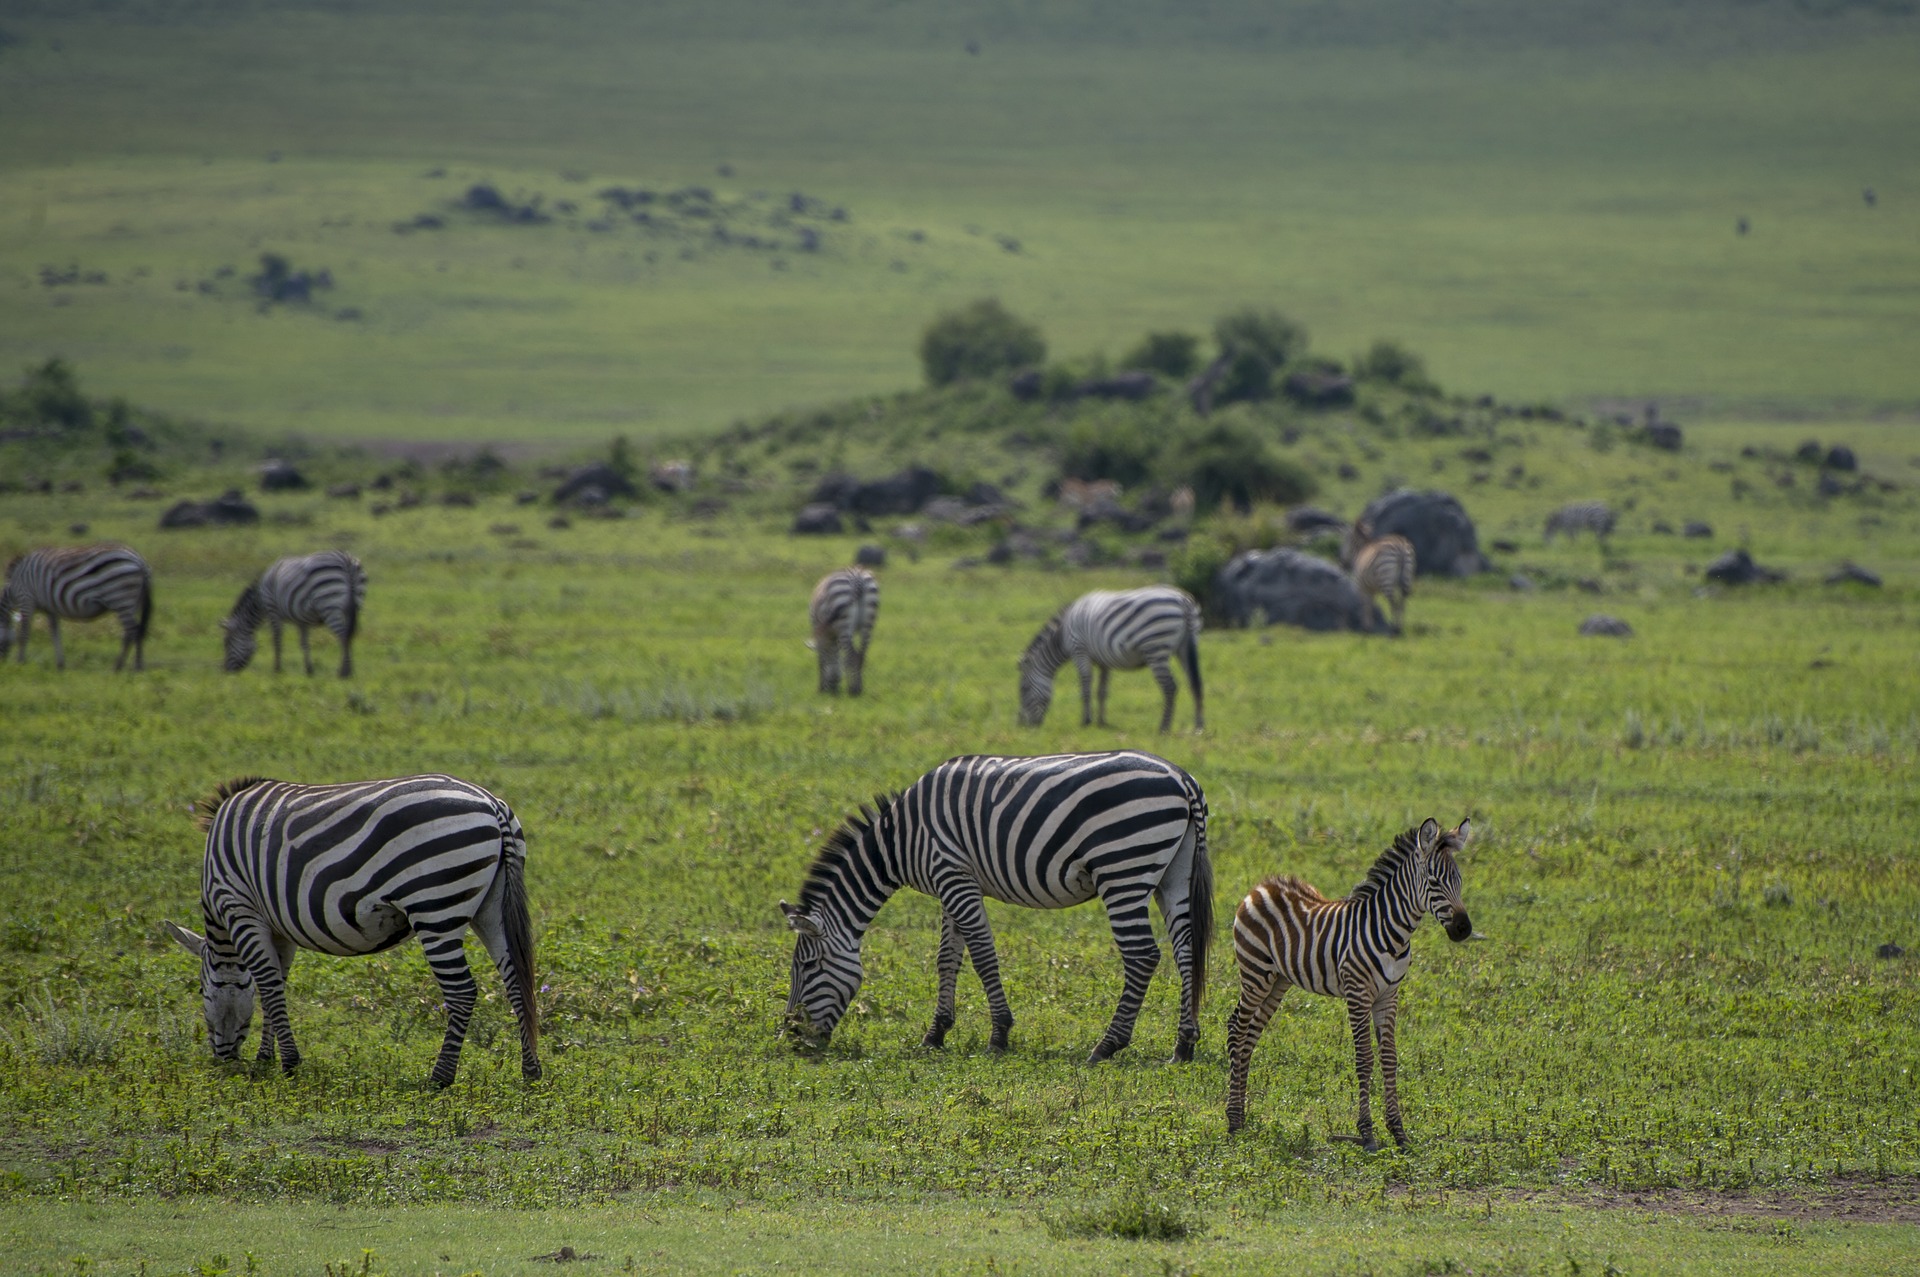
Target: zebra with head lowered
<point x="327" y="588"/>
<point x="1115" y="631"/>
<point x="78" y="583"/>
<point x="1047" y="833"/>
<point x="844" y="607"/>
<point x="1596" y="517"/>
<point x="1286" y="933"/>
<point x="1383" y="567"/>
<point x="355" y="869"/>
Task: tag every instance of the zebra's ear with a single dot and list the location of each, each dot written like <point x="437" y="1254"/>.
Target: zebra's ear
<point x="799" y="921"/>
<point x="193" y="944"/>
<point x="1429" y="832"/>
<point x="1464" y="832"/>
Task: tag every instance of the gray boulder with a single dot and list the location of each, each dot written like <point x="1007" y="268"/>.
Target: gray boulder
<point x="281" y="476"/>
<point x="1287" y="587"/>
<point x="1736" y="567"/>
<point x="818" y="519"/>
<point x="226" y="510"/>
<point x="1850" y="572"/>
<point x="594" y="484"/>
<point x="871" y="556"/>
<point x="1304" y="520"/>
<point x="1444" y="540"/>
<point x="1600" y="625"/>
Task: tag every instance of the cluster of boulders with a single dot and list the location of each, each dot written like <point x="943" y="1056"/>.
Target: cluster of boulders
<point x="225" y="510"/>
<point x="841" y="498"/>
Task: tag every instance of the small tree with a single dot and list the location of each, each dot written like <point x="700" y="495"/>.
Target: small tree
<point x="1230" y="462"/>
<point x="1394" y="364"/>
<point x="1175" y="355"/>
<point x="978" y="340"/>
<point x="1257" y="345"/>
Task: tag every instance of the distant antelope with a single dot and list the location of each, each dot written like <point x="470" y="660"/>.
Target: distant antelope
<point x="1383" y="567"/>
<point x="78" y="583"/>
<point x="844" y="607"/>
<point x="1081" y="495"/>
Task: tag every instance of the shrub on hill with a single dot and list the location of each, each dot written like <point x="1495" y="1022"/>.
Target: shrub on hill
<point x="1230" y="462"/>
<point x="1175" y="355"/>
<point x="1257" y="344"/>
<point x="1395" y="365"/>
<point x="978" y="340"/>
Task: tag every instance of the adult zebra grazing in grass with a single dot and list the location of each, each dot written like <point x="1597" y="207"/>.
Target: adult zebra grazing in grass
<point x="1596" y="517"/>
<point x="1115" y="631"/>
<point x="844" y="607"/>
<point x="1047" y="833"/>
<point x="1383" y="567"/>
<point x="327" y="589"/>
<point x="355" y="869"/>
<point x="78" y="583"/>
<point x="1286" y="933"/>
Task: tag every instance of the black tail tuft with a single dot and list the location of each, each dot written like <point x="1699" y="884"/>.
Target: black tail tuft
<point x="207" y="808"/>
<point x="1192" y="657"/>
<point x="1200" y="899"/>
<point x="519" y="928"/>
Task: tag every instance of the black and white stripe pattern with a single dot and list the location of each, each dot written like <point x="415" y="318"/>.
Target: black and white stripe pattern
<point x="1046" y="833"/>
<point x="1384" y="569"/>
<point x="1111" y="630"/>
<point x="327" y="589"/>
<point x="354" y="869"/>
<point x="1285" y="934"/>
<point x="78" y="583"/>
<point x="844" y="607"/>
<point x="1596" y="517"/>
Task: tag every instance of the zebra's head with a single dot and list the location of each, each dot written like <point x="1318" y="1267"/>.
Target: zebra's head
<point x="1046" y="654"/>
<point x="240" y="626"/>
<point x="226" y="993"/>
<point x="1443" y="877"/>
<point x="826" y="973"/>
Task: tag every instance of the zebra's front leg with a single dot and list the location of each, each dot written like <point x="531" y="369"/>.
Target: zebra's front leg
<point x="1360" y="1020"/>
<point x="275" y="624"/>
<point x="1260" y="994"/>
<point x="953" y="956"/>
<point x="827" y="648"/>
<point x="1139" y="955"/>
<point x="306" y="649"/>
<point x="346" y="651"/>
<point x="964" y="906"/>
<point x="59" y="655"/>
<point x="126" y="647"/>
<point x="448" y="959"/>
<point x="1383" y="1016"/>
<point x="1168" y="690"/>
<point x="1105" y="675"/>
<point x="1180" y="935"/>
<point x="260" y="950"/>
<point x="1085" y="668"/>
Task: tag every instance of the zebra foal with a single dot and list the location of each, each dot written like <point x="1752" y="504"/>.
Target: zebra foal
<point x="78" y="583"/>
<point x="1111" y="630"/>
<point x="1286" y="933"/>
<point x="1047" y="833"/>
<point x="1383" y="567"/>
<point x="355" y="869"/>
<point x="327" y="588"/>
<point x="844" y="607"/>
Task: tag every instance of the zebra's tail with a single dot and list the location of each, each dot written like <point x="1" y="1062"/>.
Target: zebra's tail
<point x="146" y="608"/>
<point x="519" y="928"/>
<point x="1192" y="658"/>
<point x="1200" y="898"/>
<point x="351" y="622"/>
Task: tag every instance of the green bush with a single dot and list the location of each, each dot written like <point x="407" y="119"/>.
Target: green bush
<point x="1230" y="462"/>
<point x="50" y="396"/>
<point x="1173" y="354"/>
<point x="1117" y="447"/>
<point x="1393" y="364"/>
<point x="978" y="340"/>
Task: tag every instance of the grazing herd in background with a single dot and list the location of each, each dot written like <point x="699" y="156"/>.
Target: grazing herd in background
<point x="353" y="869"/>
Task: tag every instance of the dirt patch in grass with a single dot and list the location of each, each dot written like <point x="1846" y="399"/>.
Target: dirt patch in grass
<point x="1853" y="1199"/>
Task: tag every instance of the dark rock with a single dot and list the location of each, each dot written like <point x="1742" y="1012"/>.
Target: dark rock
<point x="871" y="556"/>
<point x="818" y="519"/>
<point x="598" y="476"/>
<point x="382" y="483"/>
<point x="1589" y="585"/>
<point x="525" y="498"/>
<point x="1287" y="587"/>
<point x="227" y="509"/>
<point x="1305" y="520"/>
<point x="1444" y="540"/>
<point x="408" y="500"/>
<point x="1132" y="385"/>
<point x="1696" y="530"/>
<point x="1661" y="528"/>
<point x="1829" y="486"/>
<point x="379" y="508"/>
<point x="145" y="494"/>
<point x="281" y="476"/>
<point x="1027" y="384"/>
<point x="1853" y="572"/>
<point x="1890" y="950"/>
<point x="1600" y="625"/>
<point x="1663" y="435"/>
<point x="463" y="499"/>
<point x="559" y="521"/>
<point x="1174" y="535"/>
<point x="77" y="529"/>
<point x="902" y="493"/>
<point x="1313" y="388"/>
<point x="1808" y="452"/>
<point x="344" y="492"/>
<point x="1840" y="457"/>
<point x="984" y="493"/>
<point x="1150" y="558"/>
<point x="1522" y="582"/>
<point x="1736" y="567"/>
<point x="1506" y="547"/>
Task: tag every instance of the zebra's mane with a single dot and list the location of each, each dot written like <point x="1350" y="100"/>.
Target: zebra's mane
<point x="1405" y="846"/>
<point x="841" y="845"/>
<point x="1049" y="634"/>
<point x="207" y="808"/>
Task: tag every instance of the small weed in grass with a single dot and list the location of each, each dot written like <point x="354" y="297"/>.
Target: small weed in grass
<point x="1136" y="1213"/>
<point x="77" y="1035"/>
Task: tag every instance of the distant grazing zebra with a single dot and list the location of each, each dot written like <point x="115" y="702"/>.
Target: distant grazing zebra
<point x="327" y="588"/>
<point x="1047" y="833"/>
<point x="1286" y="933"/>
<point x="1115" y="631"/>
<point x="844" y="607"/>
<point x="78" y="583"/>
<point x="355" y="869"/>
<point x="1596" y="517"/>
<point x="1382" y="566"/>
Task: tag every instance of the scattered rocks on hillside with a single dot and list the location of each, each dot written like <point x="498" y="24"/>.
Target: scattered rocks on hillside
<point x="1663" y="435"/>
<point x="871" y="556"/>
<point x="344" y="492"/>
<point x="281" y="476"/>
<point x="1600" y="625"/>
<point x="1287" y="587"/>
<point x="902" y="493"/>
<point x="1695" y="529"/>
<point x="1315" y="388"/>
<point x="594" y="484"/>
<point x="1444" y="540"/>
<point x="821" y="518"/>
<point x="227" y="509"/>
<point x="1851" y="572"/>
<point x="1736" y="567"/>
<point x="278" y="283"/>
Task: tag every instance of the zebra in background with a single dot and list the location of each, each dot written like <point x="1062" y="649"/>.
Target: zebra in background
<point x="327" y="589"/>
<point x="1596" y="517"/>
<point x="844" y="607"/>
<point x="1286" y="933"/>
<point x="1046" y="833"/>
<point x="1115" y="631"/>
<point x="355" y="869"/>
<point x="78" y="583"/>
<point x="1383" y="567"/>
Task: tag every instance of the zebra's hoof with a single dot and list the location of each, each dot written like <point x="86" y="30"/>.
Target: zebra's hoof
<point x="1182" y="1053"/>
<point x="530" y="1073"/>
<point x="934" y="1041"/>
<point x="1104" y="1051"/>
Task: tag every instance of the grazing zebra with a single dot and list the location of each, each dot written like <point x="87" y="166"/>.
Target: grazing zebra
<point x="1286" y="933"/>
<point x="1596" y="517"/>
<point x="1382" y="566"/>
<point x="1047" y="833"/>
<point x="327" y="589"/>
<point x="78" y="583"/>
<point x="355" y="869"/>
<point x="844" y="607"/>
<point x="1115" y="631"/>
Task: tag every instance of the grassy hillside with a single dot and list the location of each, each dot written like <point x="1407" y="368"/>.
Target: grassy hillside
<point x="1543" y="198"/>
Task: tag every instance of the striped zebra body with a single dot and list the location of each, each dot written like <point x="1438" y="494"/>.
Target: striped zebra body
<point x="78" y="583"/>
<point x="327" y="588"/>
<point x="1111" y="631"/>
<point x="1596" y="517"/>
<point x="1285" y="934"/>
<point x="1046" y="833"/>
<point x="1384" y="568"/>
<point x="844" y="607"/>
<point x="354" y="869"/>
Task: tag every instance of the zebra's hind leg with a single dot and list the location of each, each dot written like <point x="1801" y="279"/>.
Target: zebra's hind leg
<point x="1139" y="955"/>
<point x="448" y="959"/>
<point x="1260" y="995"/>
<point x="853" y="661"/>
<point x="1105" y="675"/>
<point x="1180" y="936"/>
<point x="1383" y="1016"/>
<point x="275" y="623"/>
<point x="1163" y="675"/>
<point x="827" y="648"/>
<point x="1085" y="669"/>
<point x="1360" y="1020"/>
<point x="953" y="956"/>
<point x="126" y="646"/>
<point x="306" y="650"/>
<point x="59" y="654"/>
<point x="283" y="951"/>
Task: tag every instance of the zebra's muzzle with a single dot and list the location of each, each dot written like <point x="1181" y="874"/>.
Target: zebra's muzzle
<point x="1459" y="927"/>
